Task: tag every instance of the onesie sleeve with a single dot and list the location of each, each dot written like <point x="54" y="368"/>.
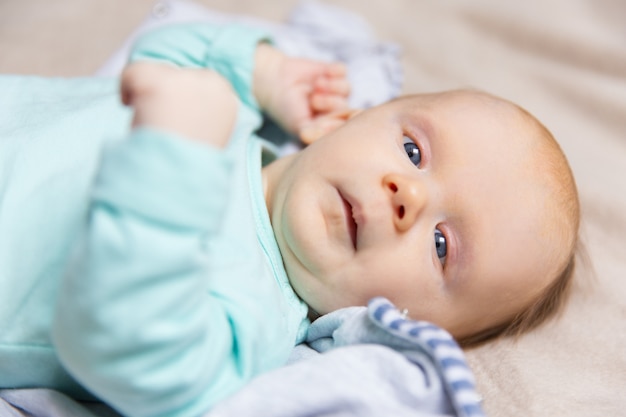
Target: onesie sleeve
<point x="206" y="46"/>
<point x="134" y="321"/>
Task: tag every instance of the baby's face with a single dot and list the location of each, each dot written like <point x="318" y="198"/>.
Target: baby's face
<point x="430" y="201"/>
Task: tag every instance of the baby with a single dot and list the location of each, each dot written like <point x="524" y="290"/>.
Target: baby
<point x="200" y="267"/>
<point x="457" y="206"/>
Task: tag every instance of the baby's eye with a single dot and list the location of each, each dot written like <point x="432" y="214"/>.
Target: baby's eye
<point x="441" y="246"/>
<point x="412" y="151"/>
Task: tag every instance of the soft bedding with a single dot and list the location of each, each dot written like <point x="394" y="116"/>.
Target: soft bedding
<point x="565" y="61"/>
<point x="357" y="361"/>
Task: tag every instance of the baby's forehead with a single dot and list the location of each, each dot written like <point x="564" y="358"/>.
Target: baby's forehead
<point x="473" y="99"/>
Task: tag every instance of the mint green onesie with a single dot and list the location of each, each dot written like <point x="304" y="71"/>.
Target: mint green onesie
<point x="139" y="268"/>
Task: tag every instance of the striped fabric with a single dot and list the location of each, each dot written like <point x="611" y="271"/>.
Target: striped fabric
<point x="443" y="349"/>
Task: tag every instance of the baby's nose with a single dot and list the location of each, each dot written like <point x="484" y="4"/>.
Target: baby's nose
<point x="408" y="198"/>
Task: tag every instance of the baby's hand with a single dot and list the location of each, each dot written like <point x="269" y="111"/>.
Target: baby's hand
<point x="295" y="91"/>
<point x="198" y="104"/>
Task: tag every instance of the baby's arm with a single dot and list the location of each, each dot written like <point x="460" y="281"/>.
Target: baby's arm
<point x="197" y="104"/>
<point x="137" y="321"/>
<point x="200" y="104"/>
<point x="293" y="91"/>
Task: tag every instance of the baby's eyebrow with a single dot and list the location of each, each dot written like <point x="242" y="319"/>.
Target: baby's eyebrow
<point x="419" y="117"/>
<point x="427" y="127"/>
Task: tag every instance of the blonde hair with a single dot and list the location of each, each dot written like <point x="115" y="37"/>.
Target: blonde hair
<point x="565" y="208"/>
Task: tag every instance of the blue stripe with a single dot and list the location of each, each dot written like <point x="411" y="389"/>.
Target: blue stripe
<point x="415" y="331"/>
<point x="429" y="326"/>
<point x="420" y="327"/>
<point x="396" y="323"/>
<point x="449" y="362"/>
<point x="435" y="343"/>
<point x="462" y="384"/>
<point x="381" y="310"/>
<point x="472" y="409"/>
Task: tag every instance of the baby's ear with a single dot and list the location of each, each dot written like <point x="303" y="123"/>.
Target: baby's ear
<point x="324" y="124"/>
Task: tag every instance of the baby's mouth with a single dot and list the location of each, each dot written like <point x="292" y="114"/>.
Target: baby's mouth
<point x="350" y="222"/>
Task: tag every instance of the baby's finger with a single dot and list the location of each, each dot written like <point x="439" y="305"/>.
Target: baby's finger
<point x="321" y="125"/>
<point x="339" y="86"/>
<point x="324" y="103"/>
<point x="312" y="131"/>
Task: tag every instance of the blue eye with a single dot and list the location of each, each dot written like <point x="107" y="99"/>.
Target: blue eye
<point x="441" y="245"/>
<point x="412" y="151"/>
